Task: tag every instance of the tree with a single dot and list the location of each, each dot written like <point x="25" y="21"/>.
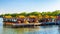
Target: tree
<point x="43" y="13"/>
<point x="55" y="13"/>
<point x="49" y="13"/>
<point x="34" y="13"/>
<point x="23" y="13"/>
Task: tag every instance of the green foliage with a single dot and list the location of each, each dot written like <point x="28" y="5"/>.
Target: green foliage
<point x="54" y="13"/>
<point x="43" y="13"/>
<point x="33" y="13"/>
<point x="23" y="13"/>
<point x="14" y="15"/>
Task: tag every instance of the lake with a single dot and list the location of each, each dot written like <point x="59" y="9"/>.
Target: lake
<point x="49" y="29"/>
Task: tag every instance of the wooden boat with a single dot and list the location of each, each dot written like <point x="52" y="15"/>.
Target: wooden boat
<point x="20" y="21"/>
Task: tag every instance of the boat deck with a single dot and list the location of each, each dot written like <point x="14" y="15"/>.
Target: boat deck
<point x="23" y="25"/>
<point x="26" y="24"/>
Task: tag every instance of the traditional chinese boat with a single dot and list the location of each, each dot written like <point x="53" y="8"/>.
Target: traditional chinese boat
<point x="20" y="21"/>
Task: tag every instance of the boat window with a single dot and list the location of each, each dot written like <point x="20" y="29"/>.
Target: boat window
<point x="5" y="19"/>
<point x="21" y="19"/>
<point x="14" y="20"/>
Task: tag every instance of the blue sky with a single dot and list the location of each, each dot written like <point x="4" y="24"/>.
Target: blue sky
<point x="17" y="6"/>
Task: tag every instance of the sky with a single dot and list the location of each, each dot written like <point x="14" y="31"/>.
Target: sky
<point x="17" y="6"/>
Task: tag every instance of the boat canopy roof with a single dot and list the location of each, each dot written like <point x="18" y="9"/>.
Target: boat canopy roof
<point x="32" y="17"/>
<point x="7" y="16"/>
<point x="20" y="16"/>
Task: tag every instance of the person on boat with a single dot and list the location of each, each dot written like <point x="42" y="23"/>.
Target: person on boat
<point x="21" y="19"/>
<point x="32" y="19"/>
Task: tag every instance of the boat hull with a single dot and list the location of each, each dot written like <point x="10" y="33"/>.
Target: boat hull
<point x="22" y="25"/>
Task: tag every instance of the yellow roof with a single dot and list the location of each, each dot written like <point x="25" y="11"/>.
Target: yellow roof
<point x="53" y="16"/>
<point x="21" y="16"/>
<point x="46" y="16"/>
<point x="7" y="16"/>
<point x="32" y="16"/>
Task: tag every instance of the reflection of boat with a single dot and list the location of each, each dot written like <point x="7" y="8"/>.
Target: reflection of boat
<point x="20" y="21"/>
<point x="20" y="30"/>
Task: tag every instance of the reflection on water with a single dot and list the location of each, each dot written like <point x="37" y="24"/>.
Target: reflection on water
<point x="18" y="30"/>
<point x="52" y="29"/>
<point x="37" y="30"/>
